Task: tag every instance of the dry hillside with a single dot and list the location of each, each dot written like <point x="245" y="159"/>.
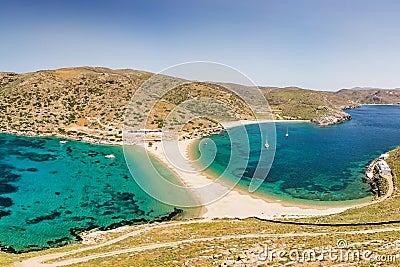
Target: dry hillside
<point x="90" y="103"/>
<point x="372" y="96"/>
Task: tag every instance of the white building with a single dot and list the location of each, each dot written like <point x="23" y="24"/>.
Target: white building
<point x="145" y="131"/>
<point x="383" y="167"/>
<point x="384" y="156"/>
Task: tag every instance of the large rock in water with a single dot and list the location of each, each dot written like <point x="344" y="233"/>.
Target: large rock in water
<point x="335" y="118"/>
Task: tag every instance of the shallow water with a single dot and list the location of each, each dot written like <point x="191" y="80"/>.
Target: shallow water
<point x="49" y="191"/>
<point x="313" y="164"/>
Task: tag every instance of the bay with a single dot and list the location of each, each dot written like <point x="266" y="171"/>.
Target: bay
<point x="50" y="191"/>
<point x="312" y="165"/>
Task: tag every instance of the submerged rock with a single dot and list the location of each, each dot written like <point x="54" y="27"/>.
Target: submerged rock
<point x="51" y="216"/>
<point x="7" y="188"/>
<point x="6" y="202"/>
<point x="4" y="213"/>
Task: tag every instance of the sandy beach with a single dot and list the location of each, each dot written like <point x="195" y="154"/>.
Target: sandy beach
<point x="221" y="202"/>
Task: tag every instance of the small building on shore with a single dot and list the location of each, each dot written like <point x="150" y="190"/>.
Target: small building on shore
<point x="384" y="156"/>
<point x="383" y="167"/>
<point x="142" y="135"/>
<point x="146" y="131"/>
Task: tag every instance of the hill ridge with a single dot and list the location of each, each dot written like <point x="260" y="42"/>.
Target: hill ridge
<point x="89" y="102"/>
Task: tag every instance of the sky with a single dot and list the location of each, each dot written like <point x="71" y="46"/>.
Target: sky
<point x="315" y="44"/>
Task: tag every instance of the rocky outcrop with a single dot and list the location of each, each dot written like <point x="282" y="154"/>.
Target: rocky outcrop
<point x="330" y="119"/>
<point x="350" y="106"/>
<point x="333" y="116"/>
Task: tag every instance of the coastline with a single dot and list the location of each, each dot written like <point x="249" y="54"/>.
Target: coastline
<point x="254" y="205"/>
<point x="230" y="124"/>
<point x="302" y="203"/>
<point x="99" y="141"/>
<point x="237" y="203"/>
<point x="63" y="136"/>
<point x="380" y="104"/>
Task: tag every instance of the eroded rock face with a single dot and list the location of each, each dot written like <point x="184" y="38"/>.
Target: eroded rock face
<point x="331" y="119"/>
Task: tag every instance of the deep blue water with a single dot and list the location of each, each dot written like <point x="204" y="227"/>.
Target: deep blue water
<point x="49" y="191"/>
<point x="312" y="164"/>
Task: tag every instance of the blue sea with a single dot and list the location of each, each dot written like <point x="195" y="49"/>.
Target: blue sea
<point x="50" y="192"/>
<point x="312" y="165"/>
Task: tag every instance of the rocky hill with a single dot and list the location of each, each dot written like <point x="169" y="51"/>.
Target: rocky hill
<point x="322" y="108"/>
<point x="371" y="96"/>
<point x="90" y="103"/>
<point x="79" y="101"/>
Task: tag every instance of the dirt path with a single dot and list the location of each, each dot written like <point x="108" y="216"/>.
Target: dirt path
<point x="390" y="191"/>
<point x="388" y="194"/>
<point x="39" y="261"/>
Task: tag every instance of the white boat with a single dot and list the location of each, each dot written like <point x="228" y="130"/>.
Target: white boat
<point x="266" y="142"/>
<point x="287" y="132"/>
<point x="110" y="156"/>
<point x="63" y="142"/>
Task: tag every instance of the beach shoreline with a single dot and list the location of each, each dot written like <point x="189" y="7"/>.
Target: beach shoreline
<point x="230" y="124"/>
<point x="236" y="203"/>
<point x="251" y="204"/>
<point x="85" y="139"/>
<point x="99" y="141"/>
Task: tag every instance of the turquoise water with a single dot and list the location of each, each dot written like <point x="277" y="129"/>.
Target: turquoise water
<point x="49" y="191"/>
<point x="312" y="164"/>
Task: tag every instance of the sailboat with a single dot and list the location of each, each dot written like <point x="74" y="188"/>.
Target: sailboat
<point x="287" y="132"/>
<point x="266" y="142"/>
